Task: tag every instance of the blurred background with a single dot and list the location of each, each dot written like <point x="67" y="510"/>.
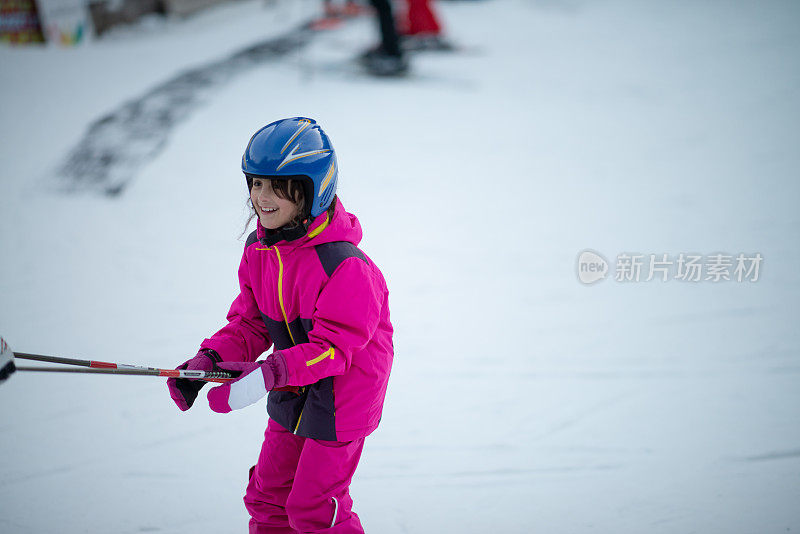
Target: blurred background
<point x="522" y="133"/>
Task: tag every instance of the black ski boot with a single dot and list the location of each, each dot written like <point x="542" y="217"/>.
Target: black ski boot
<point x="379" y="63"/>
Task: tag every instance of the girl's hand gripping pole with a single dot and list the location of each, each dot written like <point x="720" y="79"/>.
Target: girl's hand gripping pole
<point x="255" y="379"/>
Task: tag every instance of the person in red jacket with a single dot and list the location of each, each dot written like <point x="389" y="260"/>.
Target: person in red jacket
<point x="421" y="29"/>
<point x="307" y="290"/>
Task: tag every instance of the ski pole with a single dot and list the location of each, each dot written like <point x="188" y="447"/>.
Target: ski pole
<point x="208" y="376"/>
<point x="98" y="367"/>
<point x="7" y="366"/>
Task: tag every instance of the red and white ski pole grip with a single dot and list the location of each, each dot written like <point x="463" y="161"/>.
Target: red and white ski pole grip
<point x="209" y="376"/>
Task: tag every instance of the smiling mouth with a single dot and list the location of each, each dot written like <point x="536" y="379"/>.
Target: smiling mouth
<point x="269" y="210"/>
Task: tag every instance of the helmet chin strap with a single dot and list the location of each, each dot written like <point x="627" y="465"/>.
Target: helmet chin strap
<point x="286" y="232"/>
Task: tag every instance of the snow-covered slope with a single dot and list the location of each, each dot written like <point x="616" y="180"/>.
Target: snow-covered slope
<point x="521" y="400"/>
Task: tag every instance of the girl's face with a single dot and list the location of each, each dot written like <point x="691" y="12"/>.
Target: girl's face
<point x="272" y="210"/>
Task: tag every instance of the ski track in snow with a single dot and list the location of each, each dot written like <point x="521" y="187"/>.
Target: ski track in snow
<point x="117" y="145"/>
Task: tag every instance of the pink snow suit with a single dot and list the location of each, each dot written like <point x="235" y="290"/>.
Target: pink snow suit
<point x="302" y="485"/>
<point x="324" y="305"/>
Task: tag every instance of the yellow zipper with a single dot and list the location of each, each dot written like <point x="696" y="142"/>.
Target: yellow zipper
<point x="280" y="294"/>
<point x="298" y="421"/>
<point x="321" y="357"/>
<point x="285" y="317"/>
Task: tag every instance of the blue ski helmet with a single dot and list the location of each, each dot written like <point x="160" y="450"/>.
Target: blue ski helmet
<point x="295" y="148"/>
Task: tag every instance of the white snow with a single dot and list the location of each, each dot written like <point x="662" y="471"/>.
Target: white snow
<point x="521" y="400"/>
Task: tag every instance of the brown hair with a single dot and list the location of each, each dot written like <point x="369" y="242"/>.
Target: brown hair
<point x="291" y="189"/>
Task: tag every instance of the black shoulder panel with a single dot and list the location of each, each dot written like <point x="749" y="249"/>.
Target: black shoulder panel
<point x="333" y="254"/>
<point x="252" y="238"/>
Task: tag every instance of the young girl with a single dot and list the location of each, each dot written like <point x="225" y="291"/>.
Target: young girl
<point x="307" y="289"/>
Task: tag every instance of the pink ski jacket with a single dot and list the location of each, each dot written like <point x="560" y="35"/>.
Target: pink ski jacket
<point x="324" y="304"/>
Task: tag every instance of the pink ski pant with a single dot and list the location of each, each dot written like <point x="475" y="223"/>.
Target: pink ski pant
<point x="301" y="485"/>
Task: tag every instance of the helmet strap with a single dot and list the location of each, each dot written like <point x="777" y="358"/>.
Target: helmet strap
<point x="286" y="233"/>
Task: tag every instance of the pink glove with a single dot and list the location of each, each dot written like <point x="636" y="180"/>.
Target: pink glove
<point x="184" y="390"/>
<point x="256" y="379"/>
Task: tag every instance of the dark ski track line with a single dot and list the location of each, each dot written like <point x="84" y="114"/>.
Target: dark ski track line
<point x="118" y="144"/>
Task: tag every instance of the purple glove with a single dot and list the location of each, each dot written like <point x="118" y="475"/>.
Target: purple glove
<point x="184" y="390"/>
<point x="256" y="379"/>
